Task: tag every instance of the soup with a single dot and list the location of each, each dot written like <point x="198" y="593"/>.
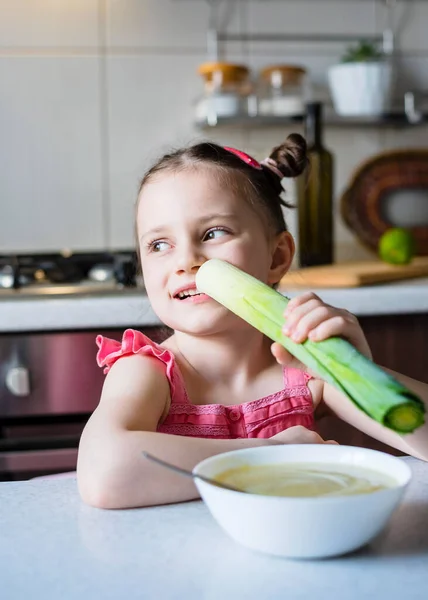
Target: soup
<point x="305" y="479"/>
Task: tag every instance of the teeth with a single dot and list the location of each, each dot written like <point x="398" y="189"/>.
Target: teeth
<point x="188" y="293"/>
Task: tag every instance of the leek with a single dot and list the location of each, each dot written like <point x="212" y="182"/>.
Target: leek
<point x="335" y="360"/>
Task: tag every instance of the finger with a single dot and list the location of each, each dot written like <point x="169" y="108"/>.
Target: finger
<point x="334" y="326"/>
<point x="292" y="319"/>
<point x="332" y="442"/>
<point x="299" y="300"/>
<point x="310" y="321"/>
<point x="281" y="354"/>
<point x="313" y="438"/>
<point x="301" y="435"/>
<point x="353" y="335"/>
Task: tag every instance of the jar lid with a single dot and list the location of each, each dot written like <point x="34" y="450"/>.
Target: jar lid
<point x="230" y="72"/>
<point x="287" y="74"/>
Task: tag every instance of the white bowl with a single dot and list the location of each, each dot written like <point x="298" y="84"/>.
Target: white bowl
<point x="303" y="527"/>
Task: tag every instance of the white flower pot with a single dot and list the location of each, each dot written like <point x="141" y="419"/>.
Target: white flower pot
<point x="363" y="88"/>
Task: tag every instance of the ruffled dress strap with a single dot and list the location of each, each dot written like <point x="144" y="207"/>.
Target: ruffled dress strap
<point x="135" y="342"/>
<point x="294" y="378"/>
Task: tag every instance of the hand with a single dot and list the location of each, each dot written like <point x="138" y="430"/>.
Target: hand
<point x="299" y="435"/>
<point x="308" y="317"/>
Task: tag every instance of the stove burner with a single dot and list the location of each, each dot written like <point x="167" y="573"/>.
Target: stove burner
<point x="21" y="271"/>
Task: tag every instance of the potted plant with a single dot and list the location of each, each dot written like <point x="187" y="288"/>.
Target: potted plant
<point x="361" y="84"/>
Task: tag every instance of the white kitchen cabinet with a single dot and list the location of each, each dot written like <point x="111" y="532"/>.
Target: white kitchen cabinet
<point x="51" y="178"/>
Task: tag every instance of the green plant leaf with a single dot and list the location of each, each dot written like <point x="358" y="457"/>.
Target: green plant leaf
<point x="363" y="51"/>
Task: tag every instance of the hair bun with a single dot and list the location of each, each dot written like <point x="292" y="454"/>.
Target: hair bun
<point x="291" y="156"/>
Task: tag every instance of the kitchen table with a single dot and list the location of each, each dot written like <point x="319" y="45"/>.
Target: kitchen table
<point x="52" y="546"/>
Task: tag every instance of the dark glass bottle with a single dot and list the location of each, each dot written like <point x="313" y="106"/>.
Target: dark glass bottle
<point x="315" y="205"/>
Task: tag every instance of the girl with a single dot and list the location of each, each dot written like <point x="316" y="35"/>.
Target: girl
<point x="216" y="384"/>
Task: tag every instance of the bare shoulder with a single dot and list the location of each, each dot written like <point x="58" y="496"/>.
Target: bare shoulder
<point x="136" y="392"/>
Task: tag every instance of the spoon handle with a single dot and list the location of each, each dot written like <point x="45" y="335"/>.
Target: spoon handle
<point x="187" y="473"/>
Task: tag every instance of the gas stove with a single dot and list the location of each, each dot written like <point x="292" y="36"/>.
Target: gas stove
<point x="68" y="273"/>
<point x="49" y="380"/>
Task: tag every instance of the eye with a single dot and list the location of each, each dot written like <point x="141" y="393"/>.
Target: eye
<point x="215" y="233"/>
<point x="158" y="246"/>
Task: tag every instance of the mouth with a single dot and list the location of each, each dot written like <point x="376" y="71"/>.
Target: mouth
<point x="190" y="295"/>
<point x="187" y="294"/>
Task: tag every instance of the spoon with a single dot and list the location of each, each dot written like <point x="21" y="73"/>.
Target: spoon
<point x="187" y="473"/>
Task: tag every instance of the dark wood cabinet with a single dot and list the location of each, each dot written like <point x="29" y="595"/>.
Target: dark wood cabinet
<point x="399" y="342"/>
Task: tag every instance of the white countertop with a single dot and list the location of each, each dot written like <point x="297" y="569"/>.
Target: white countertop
<point x="125" y="309"/>
<point x="90" y="311"/>
<point x="52" y="546"/>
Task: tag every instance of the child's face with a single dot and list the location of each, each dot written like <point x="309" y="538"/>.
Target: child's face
<point x="183" y="220"/>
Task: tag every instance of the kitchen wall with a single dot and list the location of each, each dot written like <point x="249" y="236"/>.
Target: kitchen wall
<point x="92" y="91"/>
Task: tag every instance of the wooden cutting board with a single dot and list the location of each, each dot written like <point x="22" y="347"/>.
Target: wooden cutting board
<point x="354" y="274"/>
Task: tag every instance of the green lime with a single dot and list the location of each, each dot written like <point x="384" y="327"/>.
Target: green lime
<point x="397" y="246"/>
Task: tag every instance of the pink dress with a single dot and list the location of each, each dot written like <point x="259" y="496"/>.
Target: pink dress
<point x="260" y="418"/>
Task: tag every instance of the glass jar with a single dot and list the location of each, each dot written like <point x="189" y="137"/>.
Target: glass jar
<point x="227" y="87"/>
<point x="283" y="90"/>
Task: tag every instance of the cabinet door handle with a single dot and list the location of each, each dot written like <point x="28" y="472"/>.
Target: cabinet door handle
<point x="18" y="381"/>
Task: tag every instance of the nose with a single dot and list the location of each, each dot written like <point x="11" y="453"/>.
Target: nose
<point x="189" y="259"/>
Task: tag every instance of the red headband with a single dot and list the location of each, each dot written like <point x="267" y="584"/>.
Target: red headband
<point x="246" y="158"/>
<point x="252" y="162"/>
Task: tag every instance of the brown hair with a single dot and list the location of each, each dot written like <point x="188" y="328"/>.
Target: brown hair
<point x="262" y="186"/>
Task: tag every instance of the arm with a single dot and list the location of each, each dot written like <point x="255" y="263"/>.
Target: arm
<point x="308" y="317"/>
<point x="111" y="471"/>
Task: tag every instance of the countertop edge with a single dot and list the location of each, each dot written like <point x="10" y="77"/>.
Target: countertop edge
<point x="119" y="310"/>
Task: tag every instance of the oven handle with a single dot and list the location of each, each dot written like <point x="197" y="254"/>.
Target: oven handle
<point x="39" y="460"/>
